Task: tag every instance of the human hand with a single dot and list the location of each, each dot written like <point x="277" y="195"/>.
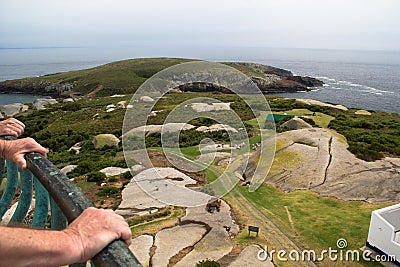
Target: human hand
<point x="11" y="127"/>
<point x="15" y="150"/>
<point x="94" y="229"/>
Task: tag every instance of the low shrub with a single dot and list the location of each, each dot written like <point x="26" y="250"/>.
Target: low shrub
<point x="96" y="177"/>
<point x="108" y="191"/>
<point x="207" y="263"/>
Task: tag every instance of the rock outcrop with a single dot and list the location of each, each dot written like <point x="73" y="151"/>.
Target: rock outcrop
<point x="102" y="140"/>
<point x="41" y="103"/>
<point x="12" y="109"/>
<point x="167" y="127"/>
<point x="319" y="103"/>
<point x="295" y="124"/>
<point x="317" y="159"/>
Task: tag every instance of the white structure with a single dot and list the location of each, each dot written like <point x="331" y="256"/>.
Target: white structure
<point x="384" y="232"/>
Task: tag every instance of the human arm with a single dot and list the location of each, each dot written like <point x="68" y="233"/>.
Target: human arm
<point x="16" y="149"/>
<point x="11" y="127"/>
<point x="87" y="235"/>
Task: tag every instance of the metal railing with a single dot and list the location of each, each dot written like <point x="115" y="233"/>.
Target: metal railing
<point x="67" y="202"/>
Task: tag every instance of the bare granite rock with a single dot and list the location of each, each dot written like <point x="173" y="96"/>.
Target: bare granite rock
<point x="140" y="247"/>
<point x="296" y="124"/>
<point x="102" y="140"/>
<point x="319" y="103"/>
<point x="181" y="236"/>
<point x="167" y="127"/>
<point x="113" y="171"/>
<point x="68" y="168"/>
<point x="204" y="107"/>
<point x="217" y="242"/>
<point x="318" y="159"/>
<point x="41" y="103"/>
<point x="216" y="127"/>
<point x="13" y="109"/>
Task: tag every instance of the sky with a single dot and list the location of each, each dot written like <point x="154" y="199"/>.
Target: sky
<point x="324" y="24"/>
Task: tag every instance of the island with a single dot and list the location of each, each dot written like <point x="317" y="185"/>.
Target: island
<point x="125" y="77"/>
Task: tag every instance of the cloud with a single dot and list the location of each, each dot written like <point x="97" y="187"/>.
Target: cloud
<point x="284" y="23"/>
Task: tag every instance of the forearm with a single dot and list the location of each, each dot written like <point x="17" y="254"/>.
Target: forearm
<point x="29" y="247"/>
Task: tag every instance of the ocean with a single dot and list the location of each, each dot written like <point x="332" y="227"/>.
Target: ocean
<point x="360" y="79"/>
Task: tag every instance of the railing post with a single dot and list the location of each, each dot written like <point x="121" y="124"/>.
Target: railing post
<point x="25" y="198"/>
<point x="11" y="187"/>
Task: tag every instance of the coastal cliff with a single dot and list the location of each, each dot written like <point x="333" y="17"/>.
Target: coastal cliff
<point x="126" y="77"/>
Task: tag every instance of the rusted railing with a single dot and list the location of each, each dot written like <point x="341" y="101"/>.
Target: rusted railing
<point x="67" y="202"/>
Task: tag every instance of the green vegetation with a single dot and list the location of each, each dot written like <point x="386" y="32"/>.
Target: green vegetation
<point x="370" y="137"/>
<point x="187" y="138"/>
<point x="150" y="217"/>
<point x="207" y="263"/>
<point x="120" y="77"/>
<point x="108" y="191"/>
<point x="153" y="223"/>
<point x="96" y="176"/>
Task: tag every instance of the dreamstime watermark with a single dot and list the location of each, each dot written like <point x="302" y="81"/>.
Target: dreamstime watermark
<point x="340" y="253"/>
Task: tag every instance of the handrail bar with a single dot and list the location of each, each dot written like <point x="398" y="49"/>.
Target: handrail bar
<point x="73" y="202"/>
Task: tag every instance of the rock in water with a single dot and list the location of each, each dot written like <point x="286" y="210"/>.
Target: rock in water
<point x="102" y="140"/>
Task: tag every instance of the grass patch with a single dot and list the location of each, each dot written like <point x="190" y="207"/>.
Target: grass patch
<point x="154" y="225"/>
<point x="320" y="119"/>
<point x="319" y="221"/>
<point x="84" y="185"/>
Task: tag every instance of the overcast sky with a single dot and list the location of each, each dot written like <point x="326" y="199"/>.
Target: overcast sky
<point x="333" y="24"/>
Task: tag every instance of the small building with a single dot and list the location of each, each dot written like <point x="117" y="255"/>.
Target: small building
<point x="384" y="232"/>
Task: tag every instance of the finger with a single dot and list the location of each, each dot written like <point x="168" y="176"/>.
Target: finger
<point x="36" y="147"/>
<point x="21" y="162"/>
<point x="14" y="130"/>
<point x="126" y="235"/>
<point x="9" y="132"/>
<point x="19" y="123"/>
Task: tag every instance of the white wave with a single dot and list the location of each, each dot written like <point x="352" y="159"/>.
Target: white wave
<point x="372" y="89"/>
<point x="359" y="87"/>
<point x="326" y="78"/>
<point x="351" y="86"/>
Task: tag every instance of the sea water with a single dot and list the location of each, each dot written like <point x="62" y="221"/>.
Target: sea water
<point x="360" y="79"/>
<point x="16" y="98"/>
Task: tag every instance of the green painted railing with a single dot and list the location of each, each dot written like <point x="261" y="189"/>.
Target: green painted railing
<point x="52" y="188"/>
